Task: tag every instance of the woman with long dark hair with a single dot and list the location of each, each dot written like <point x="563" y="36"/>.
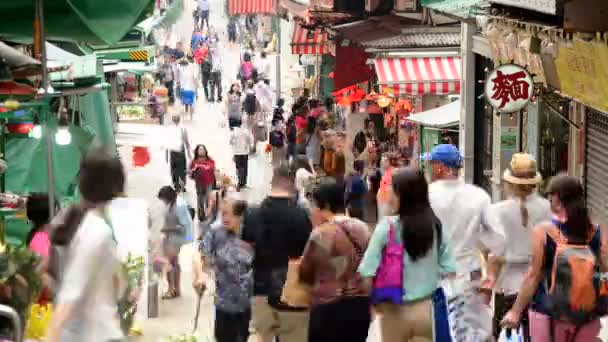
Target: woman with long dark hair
<point x="427" y="256"/>
<point x="571" y="224"/>
<point x="178" y="226"/>
<point x="202" y="171"/>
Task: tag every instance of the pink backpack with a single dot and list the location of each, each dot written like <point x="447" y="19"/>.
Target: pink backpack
<point x="388" y="282"/>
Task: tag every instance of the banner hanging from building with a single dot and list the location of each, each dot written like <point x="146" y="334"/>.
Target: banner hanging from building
<point x="582" y="68"/>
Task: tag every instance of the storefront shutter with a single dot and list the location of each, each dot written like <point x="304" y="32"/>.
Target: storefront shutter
<point x="597" y="166"/>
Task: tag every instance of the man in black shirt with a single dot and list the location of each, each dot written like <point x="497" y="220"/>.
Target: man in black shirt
<point x="278" y="230"/>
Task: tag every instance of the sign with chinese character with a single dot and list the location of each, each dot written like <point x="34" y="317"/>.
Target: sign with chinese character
<point x="582" y="68"/>
<point x="542" y="6"/>
<point x="509" y="88"/>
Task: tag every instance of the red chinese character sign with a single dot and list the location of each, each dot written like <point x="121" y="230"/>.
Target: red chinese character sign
<point x="509" y="88"/>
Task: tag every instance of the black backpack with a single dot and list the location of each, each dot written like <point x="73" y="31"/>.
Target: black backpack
<point x="250" y="103"/>
<point x="276" y="139"/>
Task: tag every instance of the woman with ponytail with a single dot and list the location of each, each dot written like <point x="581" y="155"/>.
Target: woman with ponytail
<point x="514" y="219"/>
<point x="569" y="226"/>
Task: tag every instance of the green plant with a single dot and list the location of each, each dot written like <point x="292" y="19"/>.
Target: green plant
<point x="133" y="268"/>
<point x="20" y="279"/>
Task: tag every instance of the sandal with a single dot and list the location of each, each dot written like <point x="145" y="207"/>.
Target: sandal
<point x="169" y="295"/>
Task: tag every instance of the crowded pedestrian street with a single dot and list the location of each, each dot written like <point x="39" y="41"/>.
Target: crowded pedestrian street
<point x="303" y="171"/>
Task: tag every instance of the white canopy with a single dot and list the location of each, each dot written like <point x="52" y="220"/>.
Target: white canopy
<point x="440" y="117"/>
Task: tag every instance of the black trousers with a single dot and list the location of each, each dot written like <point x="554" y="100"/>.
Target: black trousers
<point x="347" y="319"/>
<point x="242" y="164"/>
<point x="216" y="84"/>
<point x="206" y="78"/>
<point x="233" y="122"/>
<point x="177" y="162"/>
<point x="170" y="91"/>
<point x="232" y="327"/>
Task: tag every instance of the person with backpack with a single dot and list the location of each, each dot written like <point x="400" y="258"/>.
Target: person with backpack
<point x="246" y="70"/>
<point x="85" y="260"/>
<point x="564" y="286"/>
<point x="515" y="218"/>
<point x="406" y="257"/>
<point x="276" y="139"/>
<point x="251" y="107"/>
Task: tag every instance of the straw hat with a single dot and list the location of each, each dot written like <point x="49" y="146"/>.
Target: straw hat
<point x="522" y="170"/>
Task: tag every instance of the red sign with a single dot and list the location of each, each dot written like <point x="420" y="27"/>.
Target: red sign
<point x="509" y="88"/>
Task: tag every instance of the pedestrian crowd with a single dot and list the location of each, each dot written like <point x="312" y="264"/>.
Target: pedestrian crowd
<point x="368" y="248"/>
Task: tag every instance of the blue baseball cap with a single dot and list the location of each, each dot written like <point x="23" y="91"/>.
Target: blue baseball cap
<point x="447" y="154"/>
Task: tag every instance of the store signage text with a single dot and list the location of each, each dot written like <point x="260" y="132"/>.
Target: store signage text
<point x="542" y="6"/>
<point x="509" y="88"/>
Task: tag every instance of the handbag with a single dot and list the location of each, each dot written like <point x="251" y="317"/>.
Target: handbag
<point x="511" y="335"/>
<point x="296" y="293"/>
<point x="388" y="282"/>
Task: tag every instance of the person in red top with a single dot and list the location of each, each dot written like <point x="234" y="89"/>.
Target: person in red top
<point x="200" y="53"/>
<point x="202" y="171"/>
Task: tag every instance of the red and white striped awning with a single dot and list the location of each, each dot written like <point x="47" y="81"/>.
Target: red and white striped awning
<point x="303" y="44"/>
<point x="419" y="75"/>
<point x="236" y="7"/>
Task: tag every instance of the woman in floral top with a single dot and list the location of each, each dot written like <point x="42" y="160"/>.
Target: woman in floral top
<point x="341" y="304"/>
<point x="232" y="261"/>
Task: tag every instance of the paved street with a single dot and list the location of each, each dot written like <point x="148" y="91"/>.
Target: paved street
<point x="207" y="127"/>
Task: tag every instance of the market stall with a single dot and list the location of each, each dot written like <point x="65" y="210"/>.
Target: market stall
<point x="437" y="126"/>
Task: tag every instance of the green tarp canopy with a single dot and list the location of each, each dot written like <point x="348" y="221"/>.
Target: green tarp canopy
<point x="93" y="21"/>
<point x="173" y="13"/>
<point x="26" y="157"/>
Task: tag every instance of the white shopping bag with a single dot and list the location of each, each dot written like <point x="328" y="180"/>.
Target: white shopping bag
<point x="373" y="334"/>
<point x="511" y="335"/>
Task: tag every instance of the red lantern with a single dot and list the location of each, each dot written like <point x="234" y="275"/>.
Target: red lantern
<point x="141" y="156"/>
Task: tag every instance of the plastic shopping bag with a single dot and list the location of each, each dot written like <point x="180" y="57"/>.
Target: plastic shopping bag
<point x="511" y="335"/>
<point x="448" y="312"/>
<point x="373" y="334"/>
<point x="38" y="322"/>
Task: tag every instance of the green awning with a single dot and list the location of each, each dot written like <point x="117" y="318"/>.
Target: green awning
<point x="148" y="25"/>
<point x="173" y="13"/>
<point x="93" y="21"/>
<point x="80" y="66"/>
<point x="141" y="53"/>
<point x="462" y="9"/>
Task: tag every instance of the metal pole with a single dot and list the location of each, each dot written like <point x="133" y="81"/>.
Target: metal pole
<point x="45" y="109"/>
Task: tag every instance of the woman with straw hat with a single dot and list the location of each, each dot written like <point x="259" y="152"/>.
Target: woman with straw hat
<point x="514" y="218"/>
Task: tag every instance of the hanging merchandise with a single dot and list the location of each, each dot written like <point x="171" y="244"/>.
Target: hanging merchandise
<point x="384" y="101"/>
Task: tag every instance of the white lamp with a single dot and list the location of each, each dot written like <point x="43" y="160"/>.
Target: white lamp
<point x="63" y="136"/>
<point x="36" y="131"/>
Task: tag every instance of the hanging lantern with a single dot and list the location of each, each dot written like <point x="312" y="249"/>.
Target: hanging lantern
<point x="384" y="101"/>
<point x="403" y="104"/>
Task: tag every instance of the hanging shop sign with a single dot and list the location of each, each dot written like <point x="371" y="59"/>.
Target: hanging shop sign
<point x="582" y="68"/>
<point x="542" y="6"/>
<point x="509" y="88"/>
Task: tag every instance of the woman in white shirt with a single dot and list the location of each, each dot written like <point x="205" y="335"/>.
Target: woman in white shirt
<point x="86" y="303"/>
<point x="514" y="218"/>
